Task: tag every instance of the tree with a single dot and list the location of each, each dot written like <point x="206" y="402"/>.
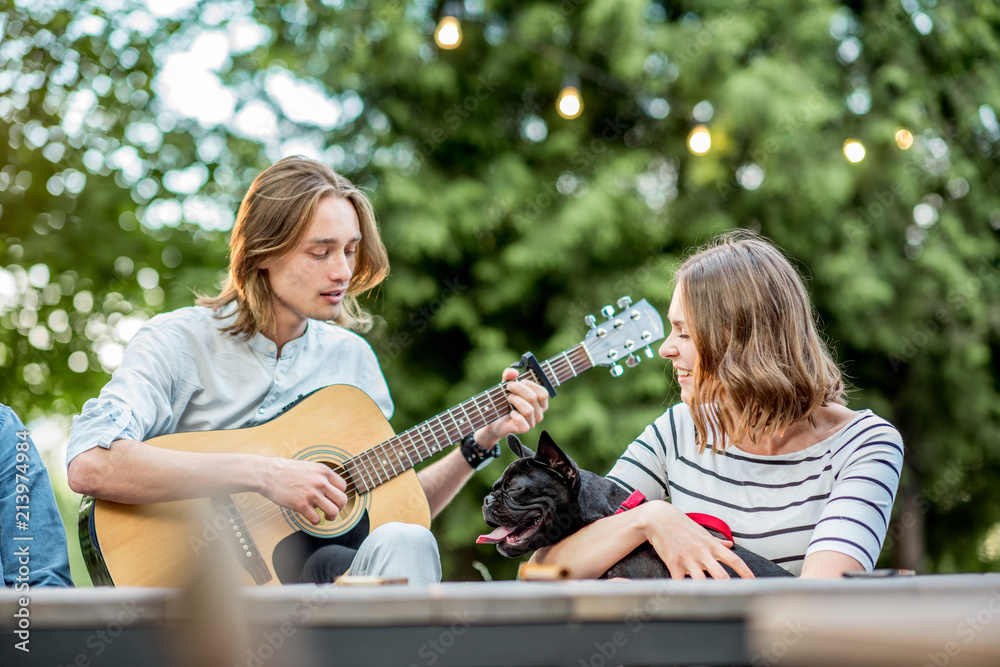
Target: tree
<point x="506" y="223"/>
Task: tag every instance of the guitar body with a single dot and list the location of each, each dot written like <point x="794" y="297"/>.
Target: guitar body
<point x="158" y="544"/>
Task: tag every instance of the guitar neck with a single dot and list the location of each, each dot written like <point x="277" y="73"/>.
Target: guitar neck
<point x="396" y="455"/>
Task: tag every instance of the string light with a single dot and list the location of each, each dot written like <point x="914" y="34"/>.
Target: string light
<point x="699" y="140"/>
<point x="448" y="33"/>
<point x="903" y="138"/>
<point x="569" y="104"/>
<point x="854" y="151"/>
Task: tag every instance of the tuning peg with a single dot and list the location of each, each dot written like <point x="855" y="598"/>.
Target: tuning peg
<point x="590" y="321"/>
<point x="608" y="311"/>
<point x="632" y="361"/>
<point x="649" y="353"/>
<point x="616" y="370"/>
<point x="624" y="302"/>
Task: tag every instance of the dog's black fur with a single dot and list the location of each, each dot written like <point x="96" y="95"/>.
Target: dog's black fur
<point x="545" y="497"/>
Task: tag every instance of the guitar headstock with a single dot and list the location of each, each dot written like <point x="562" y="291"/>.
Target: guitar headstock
<point x="623" y="335"/>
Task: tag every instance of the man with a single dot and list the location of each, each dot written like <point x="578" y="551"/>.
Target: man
<point x="32" y="537"/>
<point x="305" y="243"/>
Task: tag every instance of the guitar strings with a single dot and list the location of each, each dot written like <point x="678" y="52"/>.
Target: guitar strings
<point x="270" y="513"/>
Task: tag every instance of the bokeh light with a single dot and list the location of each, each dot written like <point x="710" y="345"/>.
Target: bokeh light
<point x="903" y="138"/>
<point x="699" y="140"/>
<point x="854" y="151"/>
<point x="449" y="33"/>
<point x="570" y="103"/>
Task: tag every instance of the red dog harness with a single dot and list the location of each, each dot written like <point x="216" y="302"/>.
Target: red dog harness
<point x="707" y="520"/>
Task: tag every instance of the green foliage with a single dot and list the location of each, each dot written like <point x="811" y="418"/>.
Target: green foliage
<point x="507" y="223"/>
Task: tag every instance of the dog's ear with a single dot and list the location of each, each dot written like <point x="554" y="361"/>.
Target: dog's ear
<point x="551" y="456"/>
<point x="518" y="448"/>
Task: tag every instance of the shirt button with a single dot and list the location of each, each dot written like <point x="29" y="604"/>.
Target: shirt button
<point x="270" y="348"/>
<point x="261" y="411"/>
<point x="279" y="376"/>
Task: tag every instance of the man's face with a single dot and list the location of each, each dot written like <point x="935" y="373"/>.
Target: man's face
<point x="311" y="281"/>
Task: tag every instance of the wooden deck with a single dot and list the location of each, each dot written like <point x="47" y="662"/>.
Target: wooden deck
<point x="937" y="620"/>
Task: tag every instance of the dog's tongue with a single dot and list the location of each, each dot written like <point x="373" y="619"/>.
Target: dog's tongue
<point x="496" y="536"/>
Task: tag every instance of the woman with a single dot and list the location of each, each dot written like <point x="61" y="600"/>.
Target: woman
<point x="762" y="438"/>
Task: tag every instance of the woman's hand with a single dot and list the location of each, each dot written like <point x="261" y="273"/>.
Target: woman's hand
<point x="685" y="547"/>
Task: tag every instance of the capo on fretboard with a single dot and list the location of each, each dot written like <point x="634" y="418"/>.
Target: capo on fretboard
<point x="528" y="361"/>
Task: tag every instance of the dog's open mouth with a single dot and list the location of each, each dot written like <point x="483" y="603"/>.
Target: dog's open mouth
<point x="511" y="535"/>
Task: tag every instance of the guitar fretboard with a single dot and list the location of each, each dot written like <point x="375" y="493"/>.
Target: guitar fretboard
<point x="380" y="463"/>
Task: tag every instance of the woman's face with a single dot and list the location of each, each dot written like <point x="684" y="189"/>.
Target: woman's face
<point x="679" y="348"/>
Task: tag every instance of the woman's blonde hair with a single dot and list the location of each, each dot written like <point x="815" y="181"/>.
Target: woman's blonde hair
<point x="272" y="220"/>
<point x="761" y="360"/>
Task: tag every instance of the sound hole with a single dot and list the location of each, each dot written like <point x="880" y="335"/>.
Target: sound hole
<point x="337" y="461"/>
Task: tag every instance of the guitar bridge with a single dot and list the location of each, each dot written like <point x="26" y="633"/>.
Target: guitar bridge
<point x="240" y="536"/>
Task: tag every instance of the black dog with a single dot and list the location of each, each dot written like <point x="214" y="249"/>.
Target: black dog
<point x="542" y="498"/>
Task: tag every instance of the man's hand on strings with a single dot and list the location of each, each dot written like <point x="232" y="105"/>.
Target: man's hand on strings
<point x="306" y="487"/>
<point x="528" y="401"/>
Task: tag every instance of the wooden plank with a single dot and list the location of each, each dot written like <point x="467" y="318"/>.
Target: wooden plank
<point x="914" y="620"/>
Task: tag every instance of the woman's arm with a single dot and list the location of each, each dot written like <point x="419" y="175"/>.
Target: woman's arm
<point x="850" y="531"/>
<point x="828" y="565"/>
<point x="685" y="548"/>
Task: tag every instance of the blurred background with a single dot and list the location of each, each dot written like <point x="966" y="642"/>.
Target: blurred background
<point x="529" y="162"/>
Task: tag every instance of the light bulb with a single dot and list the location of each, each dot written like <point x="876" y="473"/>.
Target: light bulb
<point x="854" y="151"/>
<point x="570" y="103"/>
<point x="699" y="140"/>
<point x="448" y="34"/>
<point x="903" y="138"/>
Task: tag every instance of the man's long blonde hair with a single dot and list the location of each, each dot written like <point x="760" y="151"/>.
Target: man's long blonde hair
<point x="761" y="360"/>
<point x="272" y="220"/>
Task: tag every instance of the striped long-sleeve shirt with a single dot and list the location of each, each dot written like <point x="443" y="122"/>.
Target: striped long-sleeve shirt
<point x="835" y="495"/>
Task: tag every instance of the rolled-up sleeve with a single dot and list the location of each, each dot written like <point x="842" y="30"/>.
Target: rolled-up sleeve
<point x="137" y="401"/>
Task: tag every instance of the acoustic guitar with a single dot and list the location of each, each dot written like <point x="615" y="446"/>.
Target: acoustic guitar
<point x="156" y="544"/>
